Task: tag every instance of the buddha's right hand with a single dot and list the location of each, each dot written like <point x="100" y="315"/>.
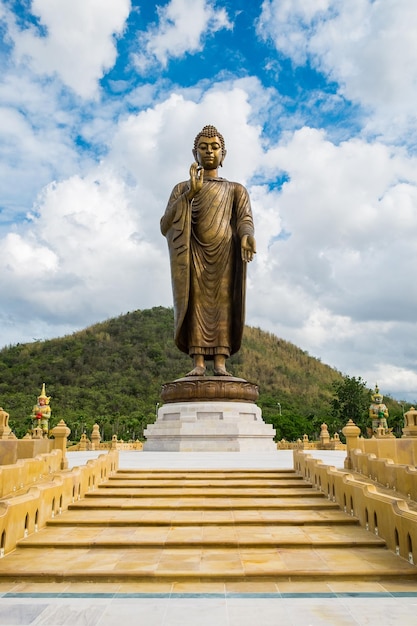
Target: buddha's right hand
<point x="196" y="180"/>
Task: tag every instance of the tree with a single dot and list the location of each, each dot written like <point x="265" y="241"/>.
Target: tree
<point x="351" y="401"/>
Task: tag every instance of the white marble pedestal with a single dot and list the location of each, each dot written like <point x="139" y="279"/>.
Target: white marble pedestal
<point x="209" y="426"/>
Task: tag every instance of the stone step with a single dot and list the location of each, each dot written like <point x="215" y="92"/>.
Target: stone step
<point x="203" y="526"/>
<point x="204" y="564"/>
<point x="176" y="536"/>
<point x="208" y="483"/>
<point x="200" y="475"/>
<point x="186" y="471"/>
<point x="122" y="501"/>
<point x="111" y="491"/>
<point x="125" y="517"/>
<point x="210" y="478"/>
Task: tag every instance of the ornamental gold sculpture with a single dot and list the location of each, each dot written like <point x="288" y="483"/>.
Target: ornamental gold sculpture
<point x="41" y="412"/>
<point x="209" y="228"/>
<point x="378" y="413"/>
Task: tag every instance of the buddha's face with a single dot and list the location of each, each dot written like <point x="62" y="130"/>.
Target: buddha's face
<point x="209" y="152"/>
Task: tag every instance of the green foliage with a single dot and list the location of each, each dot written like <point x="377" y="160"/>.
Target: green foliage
<point x="111" y="373"/>
<point x="351" y="401"/>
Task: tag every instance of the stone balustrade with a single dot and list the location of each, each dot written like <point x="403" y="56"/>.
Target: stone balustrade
<point x="399" y="477"/>
<point x="27" y="472"/>
<point x="402" y="451"/>
<point x="106" y="445"/>
<point x="49" y="495"/>
<point x="384" y="513"/>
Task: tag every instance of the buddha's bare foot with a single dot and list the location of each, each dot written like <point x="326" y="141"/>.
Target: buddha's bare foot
<point x="221" y="371"/>
<point x="199" y="370"/>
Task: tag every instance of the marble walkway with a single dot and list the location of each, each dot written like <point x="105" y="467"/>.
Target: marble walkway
<point x="208" y="604"/>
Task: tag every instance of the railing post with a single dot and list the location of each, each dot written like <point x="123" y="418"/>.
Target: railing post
<point x="351" y="432"/>
<point x="61" y="432"/>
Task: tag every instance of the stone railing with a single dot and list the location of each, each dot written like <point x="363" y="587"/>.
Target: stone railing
<point x="324" y="443"/>
<point x="86" y="445"/>
<point x="395" y="476"/>
<point x="50" y="494"/>
<point x="402" y="451"/>
<point x="26" y="472"/>
<point x="383" y="512"/>
<point x="389" y="462"/>
<point x="13" y="450"/>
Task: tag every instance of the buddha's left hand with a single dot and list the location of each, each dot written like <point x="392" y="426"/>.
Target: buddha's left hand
<point x="248" y="248"/>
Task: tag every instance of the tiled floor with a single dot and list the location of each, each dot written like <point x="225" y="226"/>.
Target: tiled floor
<point x="211" y="604"/>
<point x="261" y="605"/>
<point x="282" y="459"/>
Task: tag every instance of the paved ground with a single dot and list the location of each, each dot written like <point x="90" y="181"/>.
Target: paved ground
<point x="282" y="459"/>
<point x="216" y="604"/>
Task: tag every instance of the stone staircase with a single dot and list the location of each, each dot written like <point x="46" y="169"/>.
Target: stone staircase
<point x="214" y="525"/>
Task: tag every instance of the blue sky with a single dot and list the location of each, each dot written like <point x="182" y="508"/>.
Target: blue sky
<point x="100" y="102"/>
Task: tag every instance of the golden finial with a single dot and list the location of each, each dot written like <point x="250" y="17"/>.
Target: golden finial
<point x="377" y="396"/>
<point x="43" y="395"/>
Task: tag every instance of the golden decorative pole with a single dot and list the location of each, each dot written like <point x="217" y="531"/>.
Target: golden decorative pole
<point x="60" y="433"/>
<point x="351" y="432"/>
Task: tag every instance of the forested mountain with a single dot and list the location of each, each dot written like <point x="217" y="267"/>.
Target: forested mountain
<point x="111" y="373"/>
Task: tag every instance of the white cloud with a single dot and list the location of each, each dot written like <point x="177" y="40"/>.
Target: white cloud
<point x="155" y="145"/>
<point x="183" y="26"/>
<point x="79" y="44"/>
<point x="396" y="381"/>
<point x="27" y="259"/>
<point x="341" y="285"/>
<point x="41" y="137"/>
<point x="82" y="253"/>
<point x="353" y="196"/>
<point x="33" y="149"/>
<point x="291" y="24"/>
<point x="369" y="48"/>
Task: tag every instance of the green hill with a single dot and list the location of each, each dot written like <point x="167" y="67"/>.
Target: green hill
<point x="111" y="373"/>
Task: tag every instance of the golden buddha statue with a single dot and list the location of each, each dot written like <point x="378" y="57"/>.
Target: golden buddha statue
<point x="209" y="227"/>
<point x="41" y="412"/>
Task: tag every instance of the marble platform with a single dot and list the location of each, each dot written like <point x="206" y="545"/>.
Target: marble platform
<point x="204" y="414"/>
<point x="209" y="426"/>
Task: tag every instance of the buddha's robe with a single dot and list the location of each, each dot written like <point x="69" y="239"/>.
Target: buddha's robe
<point x="207" y="271"/>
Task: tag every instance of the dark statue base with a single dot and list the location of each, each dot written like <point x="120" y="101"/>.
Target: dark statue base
<point x="213" y="414"/>
<point x="209" y="388"/>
